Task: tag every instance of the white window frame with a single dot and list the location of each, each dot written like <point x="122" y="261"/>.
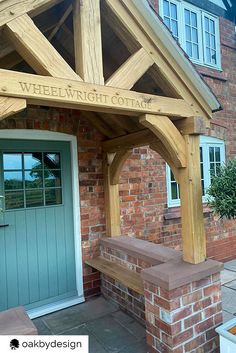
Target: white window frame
<point x="205" y="143"/>
<point x="181" y="5"/>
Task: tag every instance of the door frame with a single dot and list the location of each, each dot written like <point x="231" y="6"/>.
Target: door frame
<point x="45" y="135"/>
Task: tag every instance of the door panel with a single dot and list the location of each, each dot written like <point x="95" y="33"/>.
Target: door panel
<point x="37" y="255"/>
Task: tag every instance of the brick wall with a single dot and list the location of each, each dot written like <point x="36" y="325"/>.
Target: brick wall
<point x="184" y="319"/>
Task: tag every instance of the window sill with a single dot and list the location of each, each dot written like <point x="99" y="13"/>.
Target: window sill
<point x="174" y="212"/>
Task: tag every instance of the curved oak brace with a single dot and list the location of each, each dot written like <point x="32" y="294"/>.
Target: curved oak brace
<point x="169" y="135"/>
<point x="9" y="106"/>
<point x="158" y="147"/>
<point x="117" y="164"/>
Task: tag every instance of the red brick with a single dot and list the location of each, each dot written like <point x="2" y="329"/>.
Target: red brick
<point x="192" y="297"/>
<point x="182" y="313"/>
<point x="192" y="320"/>
<point x="212" y="289"/>
<point x="204" y="326"/>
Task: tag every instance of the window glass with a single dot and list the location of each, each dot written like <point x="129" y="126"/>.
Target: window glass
<point x="170" y="17"/>
<point x="12" y="161"/>
<point x="191" y="34"/>
<point x="210" y="40"/>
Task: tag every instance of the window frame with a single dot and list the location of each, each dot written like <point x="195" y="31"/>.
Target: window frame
<point x="205" y="142"/>
<point x="181" y="6"/>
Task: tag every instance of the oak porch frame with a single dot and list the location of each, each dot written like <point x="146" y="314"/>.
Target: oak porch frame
<point x="177" y="142"/>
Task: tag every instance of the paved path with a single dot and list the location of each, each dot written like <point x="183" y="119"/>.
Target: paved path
<point x="228" y="280"/>
<point x="112" y="331"/>
<point x="109" y="329"/>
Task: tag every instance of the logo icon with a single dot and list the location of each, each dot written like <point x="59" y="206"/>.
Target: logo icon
<point x="14" y="344"/>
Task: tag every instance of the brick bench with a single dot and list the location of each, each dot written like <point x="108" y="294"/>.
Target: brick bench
<point x="16" y="322"/>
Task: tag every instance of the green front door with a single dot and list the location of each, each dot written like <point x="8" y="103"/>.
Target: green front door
<point x="37" y="254"/>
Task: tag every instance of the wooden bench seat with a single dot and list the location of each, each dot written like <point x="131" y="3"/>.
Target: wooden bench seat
<point x="119" y="273"/>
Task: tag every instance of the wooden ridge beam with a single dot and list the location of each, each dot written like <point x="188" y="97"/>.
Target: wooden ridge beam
<point x="169" y="135"/>
<point x="87" y="40"/>
<point x="131" y="71"/>
<point x="11" y="9"/>
<point x="9" y="106"/>
<point x="36" y="49"/>
<point x="66" y="93"/>
<point x="136" y="139"/>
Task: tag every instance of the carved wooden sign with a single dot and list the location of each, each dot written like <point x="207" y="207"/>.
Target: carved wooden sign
<point x="61" y="92"/>
<point x="85" y="96"/>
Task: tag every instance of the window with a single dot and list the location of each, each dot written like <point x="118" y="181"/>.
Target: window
<point x="212" y="156"/>
<point x="196" y="30"/>
<point x="31" y="179"/>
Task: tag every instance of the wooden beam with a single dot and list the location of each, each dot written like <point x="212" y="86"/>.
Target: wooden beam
<point x="87" y="40"/>
<point x="112" y="199"/>
<point x="133" y="21"/>
<point x="169" y="135"/>
<point x="11" y="9"/>
<point x="136" y="139"/>
<point x="50" y="91"/>
<point x="36" y="49"/>
<point x="193" y="233"/>
<point x="117" y="165"/>
<point x="194" y="125"/>
<point x="64" y="17"/>
<point x="9" y="106"/>
<point x="99" y="124"/>
<point x="159" y="147"/>
<point x="131" y="71"/>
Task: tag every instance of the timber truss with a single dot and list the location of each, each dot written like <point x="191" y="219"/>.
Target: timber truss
<point x="104" y="59"/>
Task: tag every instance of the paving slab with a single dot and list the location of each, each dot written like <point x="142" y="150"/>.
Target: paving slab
<point x="94" y="345"/>
<point x="79" y="314"/>
<point x="227" y="316"/>
<point x="230" y="265"/>
<point x="231" y="285"/>
<point x="229" y="300"/>
<point x="138" y="347"/>
<point x="111" y="334"/>
<point x="42" y="327"/>
<point x="227" y="276"/>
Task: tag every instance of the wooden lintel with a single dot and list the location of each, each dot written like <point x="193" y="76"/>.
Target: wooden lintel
<point x="169" y="135"/>
<point x="131" y="71"/>
<point x="193" y="125"/>
<point x="10" y="106"/>
<point x="136" y="139"/>
<point x="11" y="9"/>
<point x="117" y="164"/>
<point x="87" y="40"/>
<point x="37" y="50"/>
<point x="81" y="95"/>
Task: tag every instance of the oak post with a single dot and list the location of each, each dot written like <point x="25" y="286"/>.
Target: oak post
<point x="112" y="202"/>
<point x="193" y="233"/>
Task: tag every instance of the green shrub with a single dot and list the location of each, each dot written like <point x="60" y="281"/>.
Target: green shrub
<point x="222" y="192"/>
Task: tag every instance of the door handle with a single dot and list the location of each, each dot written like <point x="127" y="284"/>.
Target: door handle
<point x="4" y="225"/>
